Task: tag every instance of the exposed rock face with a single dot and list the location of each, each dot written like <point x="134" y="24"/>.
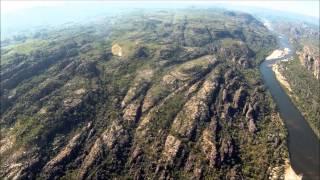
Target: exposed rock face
<point x="226" y="149"/>
<point x="110" y="138"/>
<point x="113" y="134"/>
<point x="310" y="59"/>
<point x="239" y="98"/>
<point x="252" y="126"/>
<point x="171" y="148"/>
<point x="196" y="109"/>
<point x="250" y="112"/>
<point x="188" y="71"/>
<point x="70" y="103"/>
<point x="131" y="112"/>
<point x="139" y="87"/>
<point x="179" y="77"/>
<point x="239" y="53"/>
<point x="65" y="153"/>
<point x="95" y="152"/>
<point x="209" y="147"/>
<point x="116" y="50"/>
<point x="52" y="167"/>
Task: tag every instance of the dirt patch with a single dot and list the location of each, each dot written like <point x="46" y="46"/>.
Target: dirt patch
<point x="116" y="50"/>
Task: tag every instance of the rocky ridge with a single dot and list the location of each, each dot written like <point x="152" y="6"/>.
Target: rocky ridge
<point x="183" y="102"/>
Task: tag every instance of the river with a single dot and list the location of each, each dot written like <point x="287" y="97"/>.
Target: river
<point x="303" y="144"/>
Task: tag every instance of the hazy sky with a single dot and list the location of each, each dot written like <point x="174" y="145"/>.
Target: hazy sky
<point x="306" y="7"/>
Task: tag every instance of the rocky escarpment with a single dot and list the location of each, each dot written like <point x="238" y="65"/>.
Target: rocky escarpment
<point x="310" y="59"/>
<point x="161" y="95"/>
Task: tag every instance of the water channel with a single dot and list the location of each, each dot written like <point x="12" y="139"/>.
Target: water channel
<point x="303" y="144"/>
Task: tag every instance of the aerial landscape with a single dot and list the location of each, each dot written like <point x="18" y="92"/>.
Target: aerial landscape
<point x="160" y="90"/>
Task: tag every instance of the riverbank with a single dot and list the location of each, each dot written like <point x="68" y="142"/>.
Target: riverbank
<point x="282" y="80"/>
<point x="302" y="142"/>
<point x="278" y="53"/>
<point x="279" y="70"/>
<point x="289" y="173"/>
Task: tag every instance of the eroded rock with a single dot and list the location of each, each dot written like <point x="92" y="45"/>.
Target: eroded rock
<point x="140" y="85"/>
<point x="95" y="152"/>
<point x="171" y="148"/>
<point x="196" y="109"/>
<point x="209" y="147"/>
<point x="131" y="112"/>
<point x="310" y="59"/>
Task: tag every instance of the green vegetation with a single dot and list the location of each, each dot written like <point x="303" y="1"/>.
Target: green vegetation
<point x="27" y="130"/>
<point x="302" y="71"/>
<point x="305" y="91"/>
<point x="83" y="111"/>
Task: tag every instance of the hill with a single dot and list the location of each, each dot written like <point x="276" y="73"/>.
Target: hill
<point x="159" y="95"/>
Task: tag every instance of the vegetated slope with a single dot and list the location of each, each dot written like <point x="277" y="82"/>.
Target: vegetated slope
<point x="303" y="72"/>
<point x="305" y="91"/>
<point x="145" y="95"/>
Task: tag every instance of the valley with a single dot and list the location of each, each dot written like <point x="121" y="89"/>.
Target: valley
<point x="164" y="93"/>
<point x="300" y="133"/>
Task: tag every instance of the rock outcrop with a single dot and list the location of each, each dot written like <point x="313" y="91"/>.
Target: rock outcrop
<point x="171" y="148"/>
<point x="209" y="146"/>
<point x="116" y="50"/>
<point x="310" y="59"/>
<point x="56" y="164"/>
<point x="197" y="108"/>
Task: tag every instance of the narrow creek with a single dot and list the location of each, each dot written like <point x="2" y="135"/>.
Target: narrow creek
<point x="303" y="144"/>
